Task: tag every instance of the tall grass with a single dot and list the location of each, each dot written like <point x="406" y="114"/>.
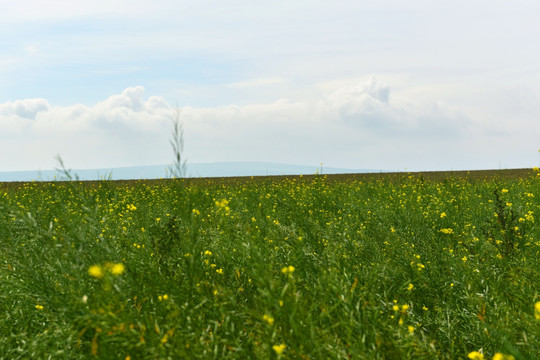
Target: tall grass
<point x="179" y="167"/>
<point x="287" y="268"/>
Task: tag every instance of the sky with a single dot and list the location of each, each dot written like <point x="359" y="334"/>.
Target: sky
<point x="381" y="84"/>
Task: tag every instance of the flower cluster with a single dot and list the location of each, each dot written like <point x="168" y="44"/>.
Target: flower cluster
<point x="99" y="271"/>
<point x="288" y="270"/>
<point x="223" y="206"/>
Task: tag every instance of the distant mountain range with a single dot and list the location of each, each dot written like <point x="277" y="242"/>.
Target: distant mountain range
<point x="216" y="169"/>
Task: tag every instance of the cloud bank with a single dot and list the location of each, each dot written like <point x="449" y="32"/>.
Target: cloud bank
<point x="358" y="125"/>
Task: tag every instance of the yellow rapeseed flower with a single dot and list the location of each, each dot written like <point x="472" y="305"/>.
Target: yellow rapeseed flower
<point x="39" y="307"/>
<point x="222" y="203"/>
<point x="501" y="356"/>
<point x="269" y="319"/>
<point x="475" y="355"/>
<point x="279" y="348"/>
<point x="288" y="270"/>
<point x="537" y="310"/>
<point x="96" y="271"/>
<point x="117" y="269"/>
<point x="410" y="287"/>
<point x="222" y="206"/>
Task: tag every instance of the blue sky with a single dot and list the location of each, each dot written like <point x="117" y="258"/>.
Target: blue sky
<point x="416" y="85"/>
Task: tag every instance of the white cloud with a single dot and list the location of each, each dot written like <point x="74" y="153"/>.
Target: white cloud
<point x="366" y="104"/>
<point x="113" y="132"/>
<point x="24" y="108"/>
<point x="361" y="125"/>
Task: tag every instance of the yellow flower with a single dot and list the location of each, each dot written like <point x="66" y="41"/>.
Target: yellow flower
<point x="219" y="271"/>
<point x="269" y="319"/>
<point x="222" y="206"/>
<point x="288" y="270"/>
<point x="163" y="297"/>
<point x="279" y="348"/>
<point x="410" y="329"/>
<point x="537" y="310"/>
<point x="96" y="271"/>
<point x="501" y="356"/>
<point x="443" y="215"/>
<point x="117" y="269"/>
<point x="208" y="253"/>
<point x="223" y="203"/>
<point x="39" y="307"/>
<point x="410" y="287"/>
<point x="475" y="355"/>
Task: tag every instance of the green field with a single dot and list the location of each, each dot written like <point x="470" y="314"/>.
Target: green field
<point x="386" y="266"/>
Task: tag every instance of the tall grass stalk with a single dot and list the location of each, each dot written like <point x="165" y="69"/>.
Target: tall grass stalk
<point x="179" y="168"/>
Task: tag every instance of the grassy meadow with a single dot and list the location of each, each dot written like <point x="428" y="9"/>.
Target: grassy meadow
<point x="382" y="267"/>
